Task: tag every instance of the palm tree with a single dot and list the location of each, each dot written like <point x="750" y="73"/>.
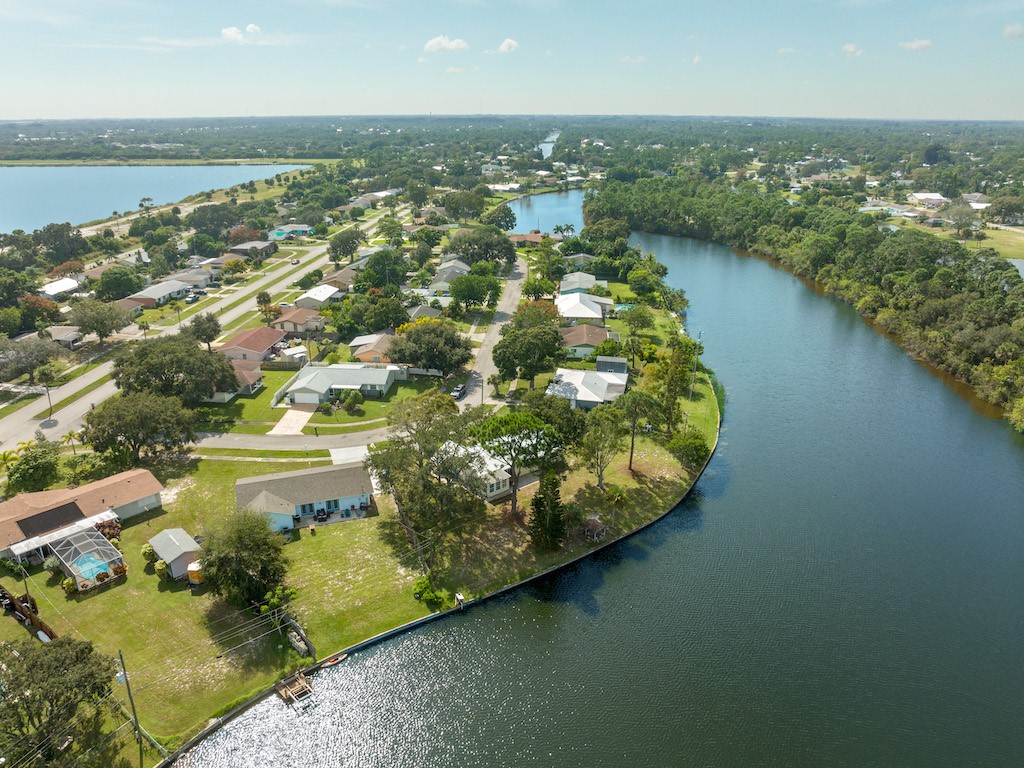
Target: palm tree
<point x="558" y="229"/>
<point x="8" y="458"/>
<point x="69" y="438"/>
<point x="615" y="497"/>
<point x="143" y="326"/>
<point x="47" y="375"/>
<point x="632" y="346"/>
<point x="24" y="445"/>
<point x="495" y="381"/>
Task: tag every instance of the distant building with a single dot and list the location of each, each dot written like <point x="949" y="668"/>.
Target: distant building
<point x="290" y="231"/>
<point x="319" y="296"/>
<point x="579" y="282"/>
<point x="299" y="322"/>
<point x="158" y="294"/>
<point x="264" y="248"/>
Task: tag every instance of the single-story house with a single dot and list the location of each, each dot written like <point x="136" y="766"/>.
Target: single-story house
<point x="359" y="341"/>
<point x="254" y="344"/>
<point x="342" y="279"/>
<point x="579" y="259"/>
<point x="579" y="282"/>
<point x="158" y="294"/>
<point x="609" y="364"/>
<point x="299" y="322"/>
<point x="491" y="472"/>
<point x="581" y="340"/>
<point x="375" y="351"/>
<point x="195" y="278"/>
<point x="317" y="384"/>
<point x="31" y="522"/>
<point x="96" y="272"/>
<point x="525" y="241"/>
<point x="133" y="307"/>
<point x="453" y="262"/>
<point x="176" y="548"/>
<point x="66" y="335"/>
<point x="318" y="296"/>
<point x="423" y="310"/>
<point x="60" y="287"/>
<point x="288" y="231"/>
<point x="265" y="248"/>
<point x="927" y="199"/>
<point x="295" y="499"/>
<point x="216" y="264"/>
<point x="582" y="307"/>
<point x="250" y="381"/>
<point x="586" y="389"/>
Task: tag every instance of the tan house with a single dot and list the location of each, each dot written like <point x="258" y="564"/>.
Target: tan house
<point x="342" y="279"/>
<point x="299" y="322"/>
<point x="254" y="344"/>
<point x="581" y="340"/>
<point x="374" y="351"/>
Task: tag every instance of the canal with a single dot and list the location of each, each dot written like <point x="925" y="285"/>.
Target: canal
<point x="842" y="588"/>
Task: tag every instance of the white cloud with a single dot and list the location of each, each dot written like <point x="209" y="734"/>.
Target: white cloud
<point x="632" y="59"/>
<point x="455" y="70"/>
<point x="1013" y="31"/>
<point x="786" y="51"/>
<point x="508" y="45"/>
<point x="915" y="46"/>
<point x="234" y="34"/>
<point x="253" y="29"/>
<point x="443" y="43"/>
<point x="697" y="60"/>
<point x="851" y="50"/>
<point x="421" y="60"/>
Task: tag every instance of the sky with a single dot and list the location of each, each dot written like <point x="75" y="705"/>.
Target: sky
<point x="954" y="59"/>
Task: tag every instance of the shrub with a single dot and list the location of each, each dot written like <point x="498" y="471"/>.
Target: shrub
<point x="119" y="570"/>
<point x="52" y="564"/>
<point x="110" y="528"/>
<point x="148" y="553"/>
<point x="14" y="568"/>
<point x="432" y="598"/>
<point x="161" y="568"/>
<point x="102" y="576"/>
<point x="690" y="449"/>
<point x="68" y="585"/>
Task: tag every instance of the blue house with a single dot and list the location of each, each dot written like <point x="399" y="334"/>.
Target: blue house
<point x="297" y="499"/>
<point x="287" y="231"/>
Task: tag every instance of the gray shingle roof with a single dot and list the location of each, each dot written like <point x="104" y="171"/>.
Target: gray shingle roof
<point x="172" y="543"/>
<point x="283" y="491"/>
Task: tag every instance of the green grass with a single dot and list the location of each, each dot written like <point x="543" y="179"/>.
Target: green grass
<point x="1009" y="245"/>
<point x="331" y="429"/>
<point x="168" y="632"/>
<point x="10" y="408"/>
<point x="376" y="409"/>
<point x="252" y="407"/>
<point x="73" y="397"/>
<point x="264" y="454"/>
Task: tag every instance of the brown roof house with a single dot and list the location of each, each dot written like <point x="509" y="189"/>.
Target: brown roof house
<point x="250" y="381"/>
<point x="581" y="340"/>
<point x="299" y="322"/>
<point x="31" y="524"/>
<point x="342" y="279"/>
<point x="296" y="499"/>
<point x="254" y="344"/>
<point x="374" y="351"/>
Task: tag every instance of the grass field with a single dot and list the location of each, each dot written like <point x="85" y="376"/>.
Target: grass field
<point x="1009" y="245"/>
<point x="377" y="409"/>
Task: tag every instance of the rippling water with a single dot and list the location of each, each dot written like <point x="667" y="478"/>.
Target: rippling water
<point x="842" y="589"/>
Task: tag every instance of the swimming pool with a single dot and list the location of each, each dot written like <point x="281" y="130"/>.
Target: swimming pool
<point x="89" y="565"/>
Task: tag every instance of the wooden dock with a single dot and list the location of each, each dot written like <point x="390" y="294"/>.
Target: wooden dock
<point x="294" y="689"/>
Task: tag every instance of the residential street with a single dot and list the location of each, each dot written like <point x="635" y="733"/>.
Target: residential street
<point x="484" y="366"/>
<point x="20" y="426"/>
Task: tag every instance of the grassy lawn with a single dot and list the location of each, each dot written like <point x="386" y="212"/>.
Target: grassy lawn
<point x="76" y="396"/>
<point x="1009" y="245"/>
<point x="332" y="429"/>
<point x="11" y="407"/>
<point x="169" y="633"/>
<point x="351" y="585"/>
<point x="377" y="409"/>
<point x="264" y="454"/>
<point x="251" y="407"/>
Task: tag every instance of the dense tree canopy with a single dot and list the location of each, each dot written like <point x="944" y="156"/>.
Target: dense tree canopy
<point x="243" y="559"/>
<point x="140" y="421"/>
<point x="175" y="367"/>
<point x="431" y="344"/>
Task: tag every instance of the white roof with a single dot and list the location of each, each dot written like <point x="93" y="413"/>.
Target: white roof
<point x="159" y="290"/>
<point x="61" y="533"/>
<point x="322" y="379"/>
<point x="319" y="293"/>
<point x="927" y="196"/>
<point x="580" y="306"/>
<point x="64" y="285"/>
<point x="587" y="386"/>
<point x="295" y="352"/>
<point x="368" y="338"/>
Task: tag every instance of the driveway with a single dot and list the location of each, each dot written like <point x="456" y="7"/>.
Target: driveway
<point x="484" y="366"/>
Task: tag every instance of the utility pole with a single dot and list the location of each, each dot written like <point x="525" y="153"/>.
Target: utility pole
<point x="131" y="701"/>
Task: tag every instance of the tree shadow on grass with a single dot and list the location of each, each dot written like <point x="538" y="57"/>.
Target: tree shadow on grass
<point x="173" y="467"/>
<point x="244" y="634"/>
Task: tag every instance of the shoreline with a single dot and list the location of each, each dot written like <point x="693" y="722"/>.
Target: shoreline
<point x="315" y="668"/>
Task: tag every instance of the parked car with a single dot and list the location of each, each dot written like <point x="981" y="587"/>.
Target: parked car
<point x="295" y="261"/>
<point x="459" y="391"/>
<point x="198" y="291"/>
<point x="191" y="299"/>
<point x="284" y="304"/>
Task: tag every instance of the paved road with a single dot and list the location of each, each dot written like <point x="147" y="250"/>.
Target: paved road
<point x="484" y="366"/>
<point x="291" y="442"/>
<point x="20" y="426"/>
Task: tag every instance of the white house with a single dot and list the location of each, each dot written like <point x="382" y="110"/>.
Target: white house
<point x="579" y="282"/>
<point x="60" y="287"/>
<point x="577" y="307"/>
<point x="158" y="294"/>
<point x="587" y="389"/>
<point x="317" y="384"/>
<point x="317" y="297"/>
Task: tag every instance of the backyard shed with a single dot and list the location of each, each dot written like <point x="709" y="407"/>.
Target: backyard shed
<point x="176" y="548"/>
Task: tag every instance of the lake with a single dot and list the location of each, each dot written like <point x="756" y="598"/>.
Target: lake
<point x="34" y="196"/>
<point x="843" y="587"/>
<point x="547" y="146"/>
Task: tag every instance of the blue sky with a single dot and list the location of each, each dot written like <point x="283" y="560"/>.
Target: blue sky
<point x="827" y="58"/>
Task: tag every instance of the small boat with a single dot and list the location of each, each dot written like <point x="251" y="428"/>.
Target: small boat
<point x="335" y="660"/>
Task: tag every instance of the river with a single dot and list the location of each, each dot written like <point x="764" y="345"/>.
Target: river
<point x="842" y="588"/>
<point x="34" y="196"/>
